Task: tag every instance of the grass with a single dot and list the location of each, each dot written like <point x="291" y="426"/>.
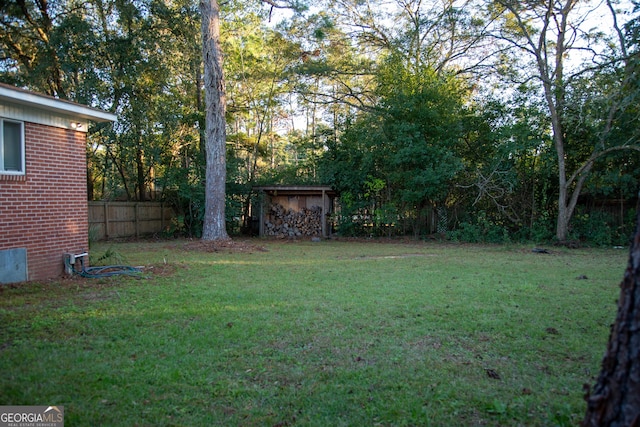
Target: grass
<point x="316" y="334"/>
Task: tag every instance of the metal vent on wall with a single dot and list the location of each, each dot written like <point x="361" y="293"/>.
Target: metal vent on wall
<point x="13" y="265"/>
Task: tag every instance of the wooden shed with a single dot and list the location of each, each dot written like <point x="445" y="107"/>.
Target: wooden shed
<point x="296" y="211"/>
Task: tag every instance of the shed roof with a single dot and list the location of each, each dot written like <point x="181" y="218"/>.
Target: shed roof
<point x="26" y="98"/>
<point x="296" y="189"/>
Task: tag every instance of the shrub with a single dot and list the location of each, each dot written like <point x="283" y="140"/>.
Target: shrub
<point x="480" y="230"/>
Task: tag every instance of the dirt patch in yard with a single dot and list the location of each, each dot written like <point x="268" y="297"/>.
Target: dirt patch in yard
<point x="159" y="270"/>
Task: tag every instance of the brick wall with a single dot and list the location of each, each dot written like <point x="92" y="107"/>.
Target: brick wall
<point x="46" y="210"/>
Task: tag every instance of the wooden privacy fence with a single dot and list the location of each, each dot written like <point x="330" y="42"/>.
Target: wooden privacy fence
<point x="110" y="220"/>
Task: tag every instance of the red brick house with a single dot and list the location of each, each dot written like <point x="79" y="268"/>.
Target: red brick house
<point x="43" y="184"/>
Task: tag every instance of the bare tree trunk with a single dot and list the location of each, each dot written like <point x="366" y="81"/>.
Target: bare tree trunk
<point x="140" y="184"/>
<point x="615" y="400"/>
<point x="214" y="227"/>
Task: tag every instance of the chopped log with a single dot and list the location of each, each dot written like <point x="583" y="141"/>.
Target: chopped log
<point x="283" y="222"/>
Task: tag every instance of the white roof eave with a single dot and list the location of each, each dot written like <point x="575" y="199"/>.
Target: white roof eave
<point x="54" y="105"/>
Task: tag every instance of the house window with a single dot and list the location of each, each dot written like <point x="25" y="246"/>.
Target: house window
<point x="11" y="147"/>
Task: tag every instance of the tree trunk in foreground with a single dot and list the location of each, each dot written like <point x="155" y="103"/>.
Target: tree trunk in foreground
<point x="214" y="227"/>
<point x="615" y="400"/>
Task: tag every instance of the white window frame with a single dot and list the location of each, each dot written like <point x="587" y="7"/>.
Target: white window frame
<point x="22" y="148"/>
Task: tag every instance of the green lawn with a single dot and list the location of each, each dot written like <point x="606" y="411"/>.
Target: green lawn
<point x="332" y="333"/>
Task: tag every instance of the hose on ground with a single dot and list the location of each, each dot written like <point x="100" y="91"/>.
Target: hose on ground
<point x="103" y="271"/>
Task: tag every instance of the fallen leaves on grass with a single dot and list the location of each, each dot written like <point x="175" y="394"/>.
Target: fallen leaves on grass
<point x="227" y="245"/>
<point x="160" y="270"/>
<point x="492" y="374"/>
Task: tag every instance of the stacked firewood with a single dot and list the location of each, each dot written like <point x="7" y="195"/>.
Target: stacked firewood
<point x="283" y="222"/>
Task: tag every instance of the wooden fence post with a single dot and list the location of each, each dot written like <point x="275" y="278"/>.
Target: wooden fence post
<point x="162" y="216"/>
<point x="106" y="220"/>
<point x="136" y="216"/>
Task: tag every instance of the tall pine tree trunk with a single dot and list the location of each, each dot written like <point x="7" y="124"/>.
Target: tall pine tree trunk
<point x="615" y="400"/>
<point x="214" y="227"/>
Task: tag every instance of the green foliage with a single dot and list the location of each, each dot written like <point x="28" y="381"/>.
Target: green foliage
<point x="111" y="256"/>
<point x="401" y="159"/>
<point x="589" y="227"/>
<point x="593" y="228"/>
<point x="93" y="235"/>
<point x="600" y="228"/>
<point x="183" y="188"/>
<point x="386" y="115"/>
<point x="542" y="230"/>
<point x="465" y="232"/>
<point x="480" y="230"/>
